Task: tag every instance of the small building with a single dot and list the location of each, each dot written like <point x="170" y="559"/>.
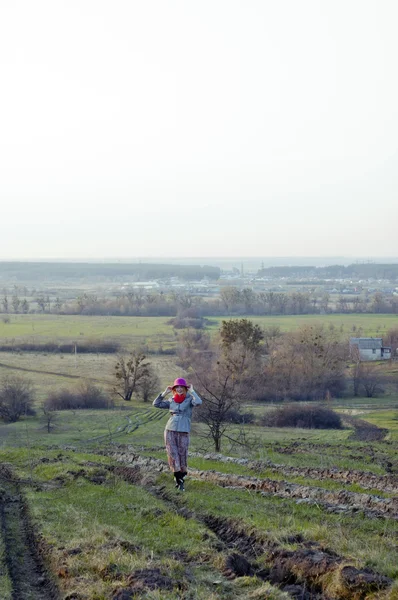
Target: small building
<point x="369" y="349"/>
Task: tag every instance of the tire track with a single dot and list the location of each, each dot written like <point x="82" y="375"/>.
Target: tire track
<point x="67" y="375"/>
<point x="23" y="555"/>
<point x="366" y="479"/>
<point x="309" y="573"/>
<point x="333" y="501"/>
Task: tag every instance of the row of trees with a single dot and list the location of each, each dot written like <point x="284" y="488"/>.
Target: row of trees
<point x="183" y="306"/>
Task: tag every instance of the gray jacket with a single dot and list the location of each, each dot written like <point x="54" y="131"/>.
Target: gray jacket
<point x="180" y="414"/>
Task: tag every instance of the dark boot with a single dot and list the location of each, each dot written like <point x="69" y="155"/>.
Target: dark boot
<point x="177" y="477"/>
<point x="182" y="477"/>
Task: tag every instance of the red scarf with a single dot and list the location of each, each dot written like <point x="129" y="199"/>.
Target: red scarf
<point x="179" y="397"/>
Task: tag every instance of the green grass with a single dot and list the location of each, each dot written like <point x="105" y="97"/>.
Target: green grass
<point x="71" y="512"/>
<point x="50" y="372"/>
<point x="86" y="527"/>
<point x="367" y="542"/>
<point x="154" y="331"/>
<point x="236" y="469"/>
<point x="130" y="331"/>
<point x="372" y="325"/>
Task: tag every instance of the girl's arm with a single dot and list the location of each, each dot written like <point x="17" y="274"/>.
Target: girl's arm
<point x="196" y="400"/>
<point x="160" y="401"/>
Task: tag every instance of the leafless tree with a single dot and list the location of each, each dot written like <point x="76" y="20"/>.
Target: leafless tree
<point x="148" y="385"/>
<point x="306" y="365"/>
<point x="129" y="371"/>
<point x="49" y="417"/>
<point x="5" y="303"/>
<point x="372" y="378"/>
<point x="15" y="303"/>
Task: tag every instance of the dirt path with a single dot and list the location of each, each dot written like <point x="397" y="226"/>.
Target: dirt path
<point x="365" y="431"/>
<point x="23" y="556"/>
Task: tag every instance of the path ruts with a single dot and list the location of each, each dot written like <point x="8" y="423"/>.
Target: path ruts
<point x="23" y="557"/>
<point x="366" y="479"/>
<point x="308" y="573"/>
<point x="332" y="501"/>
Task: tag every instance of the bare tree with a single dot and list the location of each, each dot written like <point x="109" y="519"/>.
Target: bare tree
<point x="25" y="306"/>
<point x="372" y="378"/>
<point x="49" y="416"/>
<point x="16" y="398"/>
<point x="5" y="303"/>
<point x="148" y="385"/>
<point x="356" y="369"/>
<point x="223" y="380"/>
<point x="15" y="303"/>
<point x="130" y="370"/>
<point x="306" y="365"/>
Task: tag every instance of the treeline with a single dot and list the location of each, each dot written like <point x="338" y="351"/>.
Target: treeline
<point x="357" y="270"/>
<point x="41" y="271"/>
<point x="246" y="301"/>
<point x="183" y="306"/>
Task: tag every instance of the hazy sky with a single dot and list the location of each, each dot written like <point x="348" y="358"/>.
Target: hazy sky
<point x="138" y="128"/>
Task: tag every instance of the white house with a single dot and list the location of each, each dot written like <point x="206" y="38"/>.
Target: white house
<point x="370" y="348"/>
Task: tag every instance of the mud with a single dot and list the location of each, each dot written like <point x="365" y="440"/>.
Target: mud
<point x="365" y="453"/>
<point x="141" y="581"/>
<point x="365" y="431"/>
<point x="24" y="552"/>
<point x="309" y="573"/>
<point x="333" y="501"/>
<point x="314" y="573"/>
<point x="366" y="479"/>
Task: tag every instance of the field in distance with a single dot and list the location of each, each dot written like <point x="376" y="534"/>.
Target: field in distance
<point x="156" y="332"/>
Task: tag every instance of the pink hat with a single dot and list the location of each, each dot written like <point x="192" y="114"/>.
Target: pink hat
<point x="180" y="381"/>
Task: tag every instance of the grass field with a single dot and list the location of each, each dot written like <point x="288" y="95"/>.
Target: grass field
<point x="105" y="513"/>
<point x="129" y="331"/>
<point x="53" y="371"/>
<point x="106" y="525"/>
<point x="154" y="331"/>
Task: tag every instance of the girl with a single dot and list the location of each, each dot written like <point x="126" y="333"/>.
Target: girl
<point x="176" y="433"/>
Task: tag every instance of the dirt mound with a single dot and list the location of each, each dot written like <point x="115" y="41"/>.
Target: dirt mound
<point x="366" y="479"/>
<point x="325" y="573"/>
<point x="143" y="580"/>
<point x="335" y="501"/>
<point x="237" y="565"/>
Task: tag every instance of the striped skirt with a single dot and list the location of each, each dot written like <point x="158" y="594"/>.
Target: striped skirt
<point x="177" y="443"/>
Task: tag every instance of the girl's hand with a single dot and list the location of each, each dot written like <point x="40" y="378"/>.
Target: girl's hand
<point x="190" y="389"/>
<point x="167" y="391"/>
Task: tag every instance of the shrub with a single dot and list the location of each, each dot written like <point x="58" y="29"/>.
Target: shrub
<point x="16" y="398"/>
<point x="235" y="416"/>
<point x="87" y="396"/>
<point x="306" y="416"/>
<point x="186" y="322"/>
<point x="89" y="346"/>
